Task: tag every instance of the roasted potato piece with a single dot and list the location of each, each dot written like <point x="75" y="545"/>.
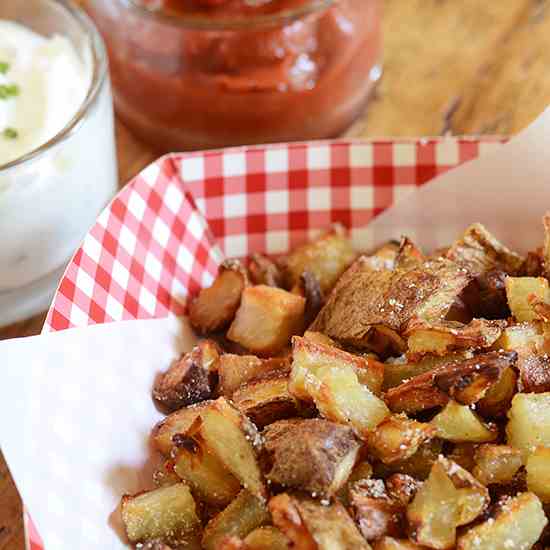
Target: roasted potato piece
<point x="264" y="271"/>
<point x="328" y="378"/>
<point x="308" y="354"/>
<point x="240" y="518"/>
<point x="529" y="422"/>
<point x="522" y="338"/>
<point x="517" y="525"/>
<point x="167" y="514"/>
<point x="518" y="292"/>
<point x="459" y="423"/>
<point x="325" y="258"/>
<point x="398" y="438"/>
<point x="364" y="299"/>
<point x="235" y="441"/>
<point x="320" y="338"/>
<point x="538" y="473"/>
<point x="375" y="513"/>
<point x="314" y="455"/>
<point x="398" y="371"/>
<point x="389" y="543"/>
<point x="450" y="497"/>
<point x="164" y="475"/>
<point x="266" y="401"/>
<point x="534" y="373"/>
<point x="418" y="465"/>
<point x="309" y="287"/>
<point x="415" y="395"/>
<point x="311" y="525"/>
<point x="189" y="378"/>
<point x="499" y="396"/>
<point x="384" y="257"/>
<point x="479" y="251"/>
<point x="409" y="255"/>
<point x="176" y="423"/>
<point x="464" y="455"/>
<point x="215" y="307"/>
<point x="266" y="319"/>
<point x="267" y="538"/>
<point x="446" y="336"/>
<point x="402" y="488"/>
<point x="195" y="464"/>
<point x="237" y="370"/>
<point x="469" y="381"/>
<point x="496" y="464"/>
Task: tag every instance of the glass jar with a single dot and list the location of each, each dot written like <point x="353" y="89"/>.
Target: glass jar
<point x="199" y="74"/>
<point x="51" y="196"/>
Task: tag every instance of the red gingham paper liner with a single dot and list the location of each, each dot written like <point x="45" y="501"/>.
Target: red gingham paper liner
<point x="166" y="232"/>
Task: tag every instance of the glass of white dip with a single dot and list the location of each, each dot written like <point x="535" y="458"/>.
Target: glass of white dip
<point x="57" y="153"/>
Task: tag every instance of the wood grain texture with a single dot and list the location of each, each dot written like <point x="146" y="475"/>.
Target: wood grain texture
<point x="460" y="66"/>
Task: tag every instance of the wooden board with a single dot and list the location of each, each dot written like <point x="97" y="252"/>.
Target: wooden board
<point x="459" y="66"/>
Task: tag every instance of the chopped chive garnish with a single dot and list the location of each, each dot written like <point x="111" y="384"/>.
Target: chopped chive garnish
<point x="10" y="133"/>
<point x="8" y="90"/>
<point x="4" y="67"/>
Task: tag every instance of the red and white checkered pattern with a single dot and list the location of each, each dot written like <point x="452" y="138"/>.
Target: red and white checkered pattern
<point x="166" y="232"/>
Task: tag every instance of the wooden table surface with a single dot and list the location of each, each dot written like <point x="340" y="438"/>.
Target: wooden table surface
<point x="450" y="66"/>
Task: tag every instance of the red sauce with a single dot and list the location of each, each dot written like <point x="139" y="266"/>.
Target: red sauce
<point x="182" y="88"/>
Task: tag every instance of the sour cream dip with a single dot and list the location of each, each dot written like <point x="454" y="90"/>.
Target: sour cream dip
<point x="57" y="153"/>
<point x="44" y="84"/>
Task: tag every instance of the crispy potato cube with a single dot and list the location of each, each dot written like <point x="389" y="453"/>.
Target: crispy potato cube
<point x="415" y="395"/>
<point x="313" y="526"/>
<point x="188" y="380"/>
<point x="398" y="438"/>
<point x="538" y="473"/>
<point x="313" y="455"/>
<point x="499" y="396"/>
<point x="328" y="378"/>
<point x="240" y="518"/>
<point x="167" y="513"/>
<point x="264" y="271"/>
<point x="308" y="354"/>
<point x="518" y="292"/>
<point x="529" y="422"/>
<point x="266" y="319"/>
<point x="517" y="525"/>
<point x="325" y="258"/>
<point x="267" y="538"/>
<point x="480" y="251"/>
<point x="469" y="381"/>
<point x="418" y="465"/>
<point x="266" y="401"/>
<point x="175" y="423"/>
<point x="496" y="464"/>
<point x="450" y="497"/>
<point x="215" y="307"/>
<point x="525" y="337"/>
<point x="364" y="299"/>
<point x="235" y="441"/>
<point x="195" y="464"/>
<point x="389" y="543"/>
<point x="397" y="372"/>
<point x="237" y="370"/>
<point x="446" y="336"/>
<point x="459" y="423"/>
<point x="164" y="475"/>
<point x="375" y="513"/>
<point x="402" y="488"/>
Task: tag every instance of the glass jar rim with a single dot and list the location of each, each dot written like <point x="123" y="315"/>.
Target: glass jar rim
<point x="204" y="22"/>
<point x="99" y="75"/>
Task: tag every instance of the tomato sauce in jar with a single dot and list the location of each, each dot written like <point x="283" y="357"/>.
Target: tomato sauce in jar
<point x="197" y="74"/>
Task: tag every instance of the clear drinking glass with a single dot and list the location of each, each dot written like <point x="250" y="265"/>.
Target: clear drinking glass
<point x="187" y="77"/>
<point x="50" y="197"/>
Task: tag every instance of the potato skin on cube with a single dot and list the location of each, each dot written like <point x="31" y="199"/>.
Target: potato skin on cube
<point x="517" y="525"/>
<point x="167" y="514"/>
<point x="311" y="525"/>
<point x="215" y="307"/>
<point x="312" y="455"/>
<point x="244" y="514"/>
<point x="266" y="319"/>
